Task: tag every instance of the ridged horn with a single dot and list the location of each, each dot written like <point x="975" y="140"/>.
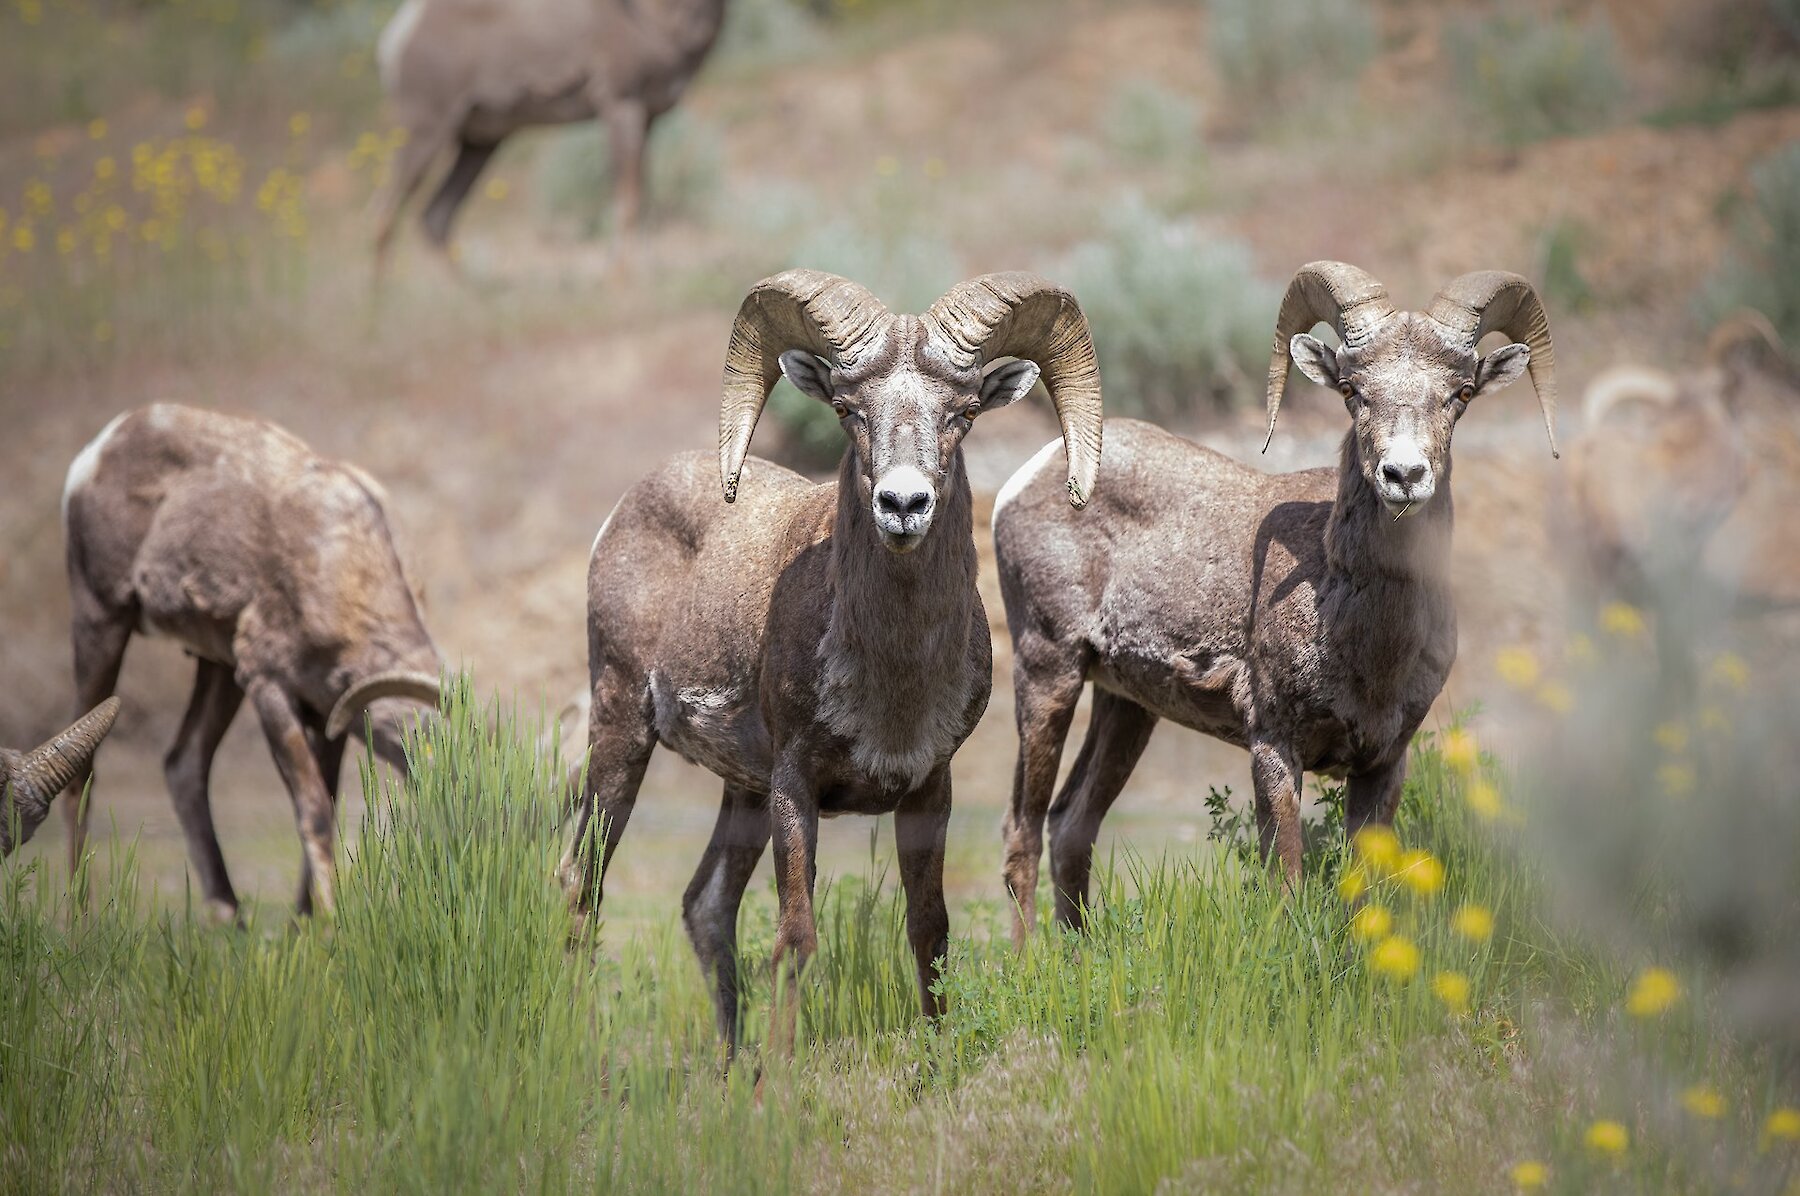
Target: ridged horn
<point x="1348" y="298"/>
<point x="401" y="683"/>
<point x="1019" y="314"/>
<point x="1475" y="304"/>
<point x="1745" y="325"/>
<point x="828" y="316"/>
<point x="38" y="776"/>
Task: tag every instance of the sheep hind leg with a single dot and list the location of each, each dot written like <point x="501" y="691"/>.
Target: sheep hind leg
<point x="188" y="770"/>
<point x="421" y="146"/>
<point x="1046" y="689"/>
<point x="1117" y="735"/>
<point x="709" y="908"/>
<point x="621" y="737"/>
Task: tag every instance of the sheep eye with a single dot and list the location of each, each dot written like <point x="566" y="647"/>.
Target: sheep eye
<point x="837" y="405"/>
<point x="1347" y="390"/>
<point x="1467" y="391"/>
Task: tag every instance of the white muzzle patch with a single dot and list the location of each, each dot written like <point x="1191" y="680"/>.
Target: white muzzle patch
<point x="1405" y="480"/>
<point x="905" y="501"/>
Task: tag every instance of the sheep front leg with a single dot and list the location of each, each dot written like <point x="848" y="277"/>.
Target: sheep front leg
<point x="794" y="827"/>
<point x="1373" y="796"/>
<point x="628" y="129"/>
<point x="1276" y="776"/>
<point x="921" y="823"/>
<point x="313" y="808"/>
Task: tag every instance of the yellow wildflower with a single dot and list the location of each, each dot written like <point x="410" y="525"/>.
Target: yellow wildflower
<point x="1421" y="872"/>
<point x="1653" y="992"/>
<point x="1460" y="750"/>
<point x="1452" y="988"/>
<point x="1517" y="666"/>
<point x="1580" y="650"/>
<point x="195" y="118"/>
<point x="1353" y="883"/>
<point x="1379" y="847"/>
<point x="498" y="189"/>
<point x="97" y="128"/>
<point x="1677" y="779"/>
<point x="1529" y="1176"/>
<point x="105" y="168"/>
<point x="1783" y="1125"/>
<point x="1729" y="670"/>
<point x="1704" y="1102"/>
<point x="1714" y="720"/>
<point x="1672" y="737"/>
<point x="1556" y="697"/>
<point x="65" y="241"/>
<point x="31" y="11"/>
<point x="1371" y="922"/>
<point x="1623" y="620"/>
<point x="1474" y="923"/>
<point x="24" y="240"/>
<point x="1484" y="799"/>
<point x="1395" y="956"/>
<point x="299" y="124"/>
<point x="1608" y="1138"/>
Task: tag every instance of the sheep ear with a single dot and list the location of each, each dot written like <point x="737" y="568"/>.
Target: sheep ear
<point x="1314" y="359"/>
<point x="1007" y="383"/>
<point x="807" y="372"/>
<point x="1501" y="368"/>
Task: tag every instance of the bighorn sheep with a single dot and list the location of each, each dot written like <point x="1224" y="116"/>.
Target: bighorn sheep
<point x="1304" y="616"/>
<point x="822" y="649"/>
<point x="1661" y="463"/>
<point x="275" y="569"/>
<point x="30" y="781"/>
<point x="470" y="73"/>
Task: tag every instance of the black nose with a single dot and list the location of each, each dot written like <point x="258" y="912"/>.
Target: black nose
<point x="1410" y="475"/>
<point x="903" y="504"/>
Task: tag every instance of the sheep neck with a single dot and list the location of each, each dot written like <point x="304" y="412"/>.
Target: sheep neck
<point x="1386" y="594"/>
<point x="894" y="679"/>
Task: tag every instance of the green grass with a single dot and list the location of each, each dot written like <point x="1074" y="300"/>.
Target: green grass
<point x="440" y="1034"/>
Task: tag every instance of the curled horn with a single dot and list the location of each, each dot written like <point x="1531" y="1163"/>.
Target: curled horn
<point x="1744" y="326"/>
<point x="1473" y="305"/>
<point x="1352" y="301"/>
<point x="38" y="776"/>
<point x="1022" y="315"/>
<point x="419" y="687"/>
<point x="828" y="316"/>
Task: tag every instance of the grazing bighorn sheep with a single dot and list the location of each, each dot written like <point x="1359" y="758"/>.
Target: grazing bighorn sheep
<point x="1661" y="463"/>
<point x="470" y="73"/>
<point x="1304" y="616"/>
<point x="275" y="569"/>
<point x="822" y="649"/>
<point x="30" y="781"/>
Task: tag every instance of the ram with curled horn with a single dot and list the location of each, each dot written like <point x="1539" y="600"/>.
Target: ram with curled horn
<point x="822" y="649"/>
<point x="276" y="570"/>
<point x="30" y="781"/>
<point x="1305" y="617"/>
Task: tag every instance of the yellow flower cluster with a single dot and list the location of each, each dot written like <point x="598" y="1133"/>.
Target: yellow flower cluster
<point x="1654" y="992"/>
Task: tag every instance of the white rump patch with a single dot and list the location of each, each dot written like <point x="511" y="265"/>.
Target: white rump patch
<point x="1027" y="473"/>
<point x="81" y="469"/>
<point x="393" y="41"/>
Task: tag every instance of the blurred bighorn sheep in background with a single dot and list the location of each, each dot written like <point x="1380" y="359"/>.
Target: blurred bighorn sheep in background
<point x="469" y="73"/>
<point x="1304" y="616"/>
<point x="1661" y="463"/>
<point x="30" y="781"/>
<point x="276" y="570"/>
<point x="822" y="649"/>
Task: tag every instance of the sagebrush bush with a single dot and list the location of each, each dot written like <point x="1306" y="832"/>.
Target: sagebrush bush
<point x="1528" y="77"/>
<point x="684" y="173"/>
<point x="1761" y="270"/>
<point x="1147" y="123"/>
<point x="1274" y="55"/>
<point x="1181" y="320"/>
